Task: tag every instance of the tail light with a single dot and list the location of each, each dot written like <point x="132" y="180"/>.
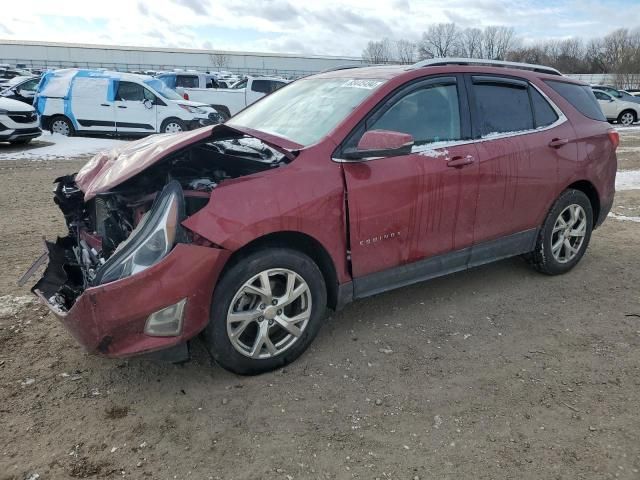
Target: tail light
<point x="185" y="95"/>
<point x="614" y="136"/>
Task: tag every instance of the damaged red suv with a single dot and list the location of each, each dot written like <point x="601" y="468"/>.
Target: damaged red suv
<point x="336" y="187"/>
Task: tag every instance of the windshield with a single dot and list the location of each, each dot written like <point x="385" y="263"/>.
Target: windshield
<point x="161" y="89"/>
<point x="306" y="110"/>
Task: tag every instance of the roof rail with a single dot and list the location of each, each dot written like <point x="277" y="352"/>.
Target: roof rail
<point x="345" y="67"/>
<point x="434" y="62"/>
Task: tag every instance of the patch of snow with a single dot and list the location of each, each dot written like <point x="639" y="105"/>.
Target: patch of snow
<point x="624" y="218"/>
<point x="627" y="129"/>
<point x="429" y="151"/>
<point x="11" y="305"/>
<point x="61" y="147"/>
<point x="628" y="180"/>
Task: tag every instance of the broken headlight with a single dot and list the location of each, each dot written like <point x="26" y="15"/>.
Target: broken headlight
<point x="151" y="240"/>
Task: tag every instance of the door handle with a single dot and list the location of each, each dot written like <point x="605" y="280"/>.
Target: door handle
<point x="105" y="104"/>
<point x="558" y="142"/>
<point x="460" y="162"/>
<point x="121" y="106"/>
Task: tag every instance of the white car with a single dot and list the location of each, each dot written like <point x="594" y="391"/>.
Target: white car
<point x="625" y="113"/>
<point x="91" y="101"/>
<point x="229" y="101"/>
<point x="18" y="122"/>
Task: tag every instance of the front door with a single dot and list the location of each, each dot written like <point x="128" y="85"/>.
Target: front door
<point x="607" y="104"/>
<point x="408" y="208"/>
<point x="135" y="108"/>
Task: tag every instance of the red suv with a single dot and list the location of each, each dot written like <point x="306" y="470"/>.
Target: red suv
<point x="336" y="187"/>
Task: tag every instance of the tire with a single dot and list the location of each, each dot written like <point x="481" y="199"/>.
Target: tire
<point x="62" y="125"/>
<point x="575" y="207"/>
<point x="173" y="125"/>
<point x="237" y="293"/>
<point x="627" y="118"/>
<point x="20" y="141"/>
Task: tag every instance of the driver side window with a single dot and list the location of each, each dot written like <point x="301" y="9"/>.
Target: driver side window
<point x="429" y="114"/>
<point x="130" y="91"/>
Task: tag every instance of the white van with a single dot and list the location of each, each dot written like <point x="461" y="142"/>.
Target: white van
<point x="74" y="101"/>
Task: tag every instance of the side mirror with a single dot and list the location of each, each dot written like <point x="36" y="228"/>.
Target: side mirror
<point x="380" y="143"/>
<point x="612" y="99"/>
<point x="147" y="103"/>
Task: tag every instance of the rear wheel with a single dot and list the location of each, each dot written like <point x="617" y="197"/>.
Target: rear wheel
<point x="266" y="310"/>
<point x="627" y="118"/>
<point x="565" y="234"/>
<point x="173" y="125"/>
<point x="62" y="125"/>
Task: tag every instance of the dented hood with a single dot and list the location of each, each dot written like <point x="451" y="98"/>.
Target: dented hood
<point x="109" y="169"/>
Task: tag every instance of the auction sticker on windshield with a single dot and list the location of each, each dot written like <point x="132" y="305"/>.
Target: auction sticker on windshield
<point x="358" y="83"/>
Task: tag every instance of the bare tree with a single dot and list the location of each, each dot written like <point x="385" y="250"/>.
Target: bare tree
<point x="497" y="41"/>
<point x="377" y="52"/>
<point x="220" y="60"/>
<point x="471" y="43"/>
<point x="440" y="40"/>
<point x="405" y="51"/>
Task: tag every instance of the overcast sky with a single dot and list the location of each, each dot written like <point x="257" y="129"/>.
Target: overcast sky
<point x="326" y="27"/>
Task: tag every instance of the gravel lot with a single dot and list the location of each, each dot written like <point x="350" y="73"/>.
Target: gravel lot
<point x="498" y="372"/>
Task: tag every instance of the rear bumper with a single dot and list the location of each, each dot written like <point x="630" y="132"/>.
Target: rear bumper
<point x="109" y="319"/>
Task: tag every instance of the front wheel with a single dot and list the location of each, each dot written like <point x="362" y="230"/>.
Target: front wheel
<point x="565" y="234"/>
<point x="173" y="125"/>
<point x="266" y="310"/>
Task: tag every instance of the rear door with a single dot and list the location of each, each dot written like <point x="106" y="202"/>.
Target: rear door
<point x="90" y="105"/>
<point x="407" y="208"/>
<point x="135" y="108"/>
<point x="524" y="142"/>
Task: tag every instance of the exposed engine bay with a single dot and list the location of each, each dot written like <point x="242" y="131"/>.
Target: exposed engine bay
<point x="133" y="226"/>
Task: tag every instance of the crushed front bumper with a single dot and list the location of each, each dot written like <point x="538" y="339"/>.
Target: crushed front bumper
<point x="110" y="319"/>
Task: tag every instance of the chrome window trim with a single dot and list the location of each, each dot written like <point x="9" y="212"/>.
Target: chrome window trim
<point x="562" y="118"/>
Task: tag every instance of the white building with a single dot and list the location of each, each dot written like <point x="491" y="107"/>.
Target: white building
<point x="123" y="58"/>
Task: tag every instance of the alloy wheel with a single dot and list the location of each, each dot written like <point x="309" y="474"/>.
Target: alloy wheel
<point x="61" y="127"/>
<point x="568" y="233"/>
<point x="173" y="127"/>
<point x="269" y="313"/>
<point x="626" y="119"/>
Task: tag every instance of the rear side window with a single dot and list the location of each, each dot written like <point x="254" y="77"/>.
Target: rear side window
<point x="502" y="108"/>
<point x="262" y="86"/>
<point x="581" y="97"/>
<point x="187" y="81"/>
<point x="543" y="113"/>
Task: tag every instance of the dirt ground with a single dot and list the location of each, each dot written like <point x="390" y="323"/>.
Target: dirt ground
<point x="498" y="372"/>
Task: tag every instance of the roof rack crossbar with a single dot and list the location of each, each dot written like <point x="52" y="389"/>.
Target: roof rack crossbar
<point x="434" y="62"/>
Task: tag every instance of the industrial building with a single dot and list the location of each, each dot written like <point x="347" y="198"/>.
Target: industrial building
<point x="32" y="54"/>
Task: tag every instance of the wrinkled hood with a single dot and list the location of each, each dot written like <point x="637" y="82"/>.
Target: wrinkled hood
<point x="109" y="169"/>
